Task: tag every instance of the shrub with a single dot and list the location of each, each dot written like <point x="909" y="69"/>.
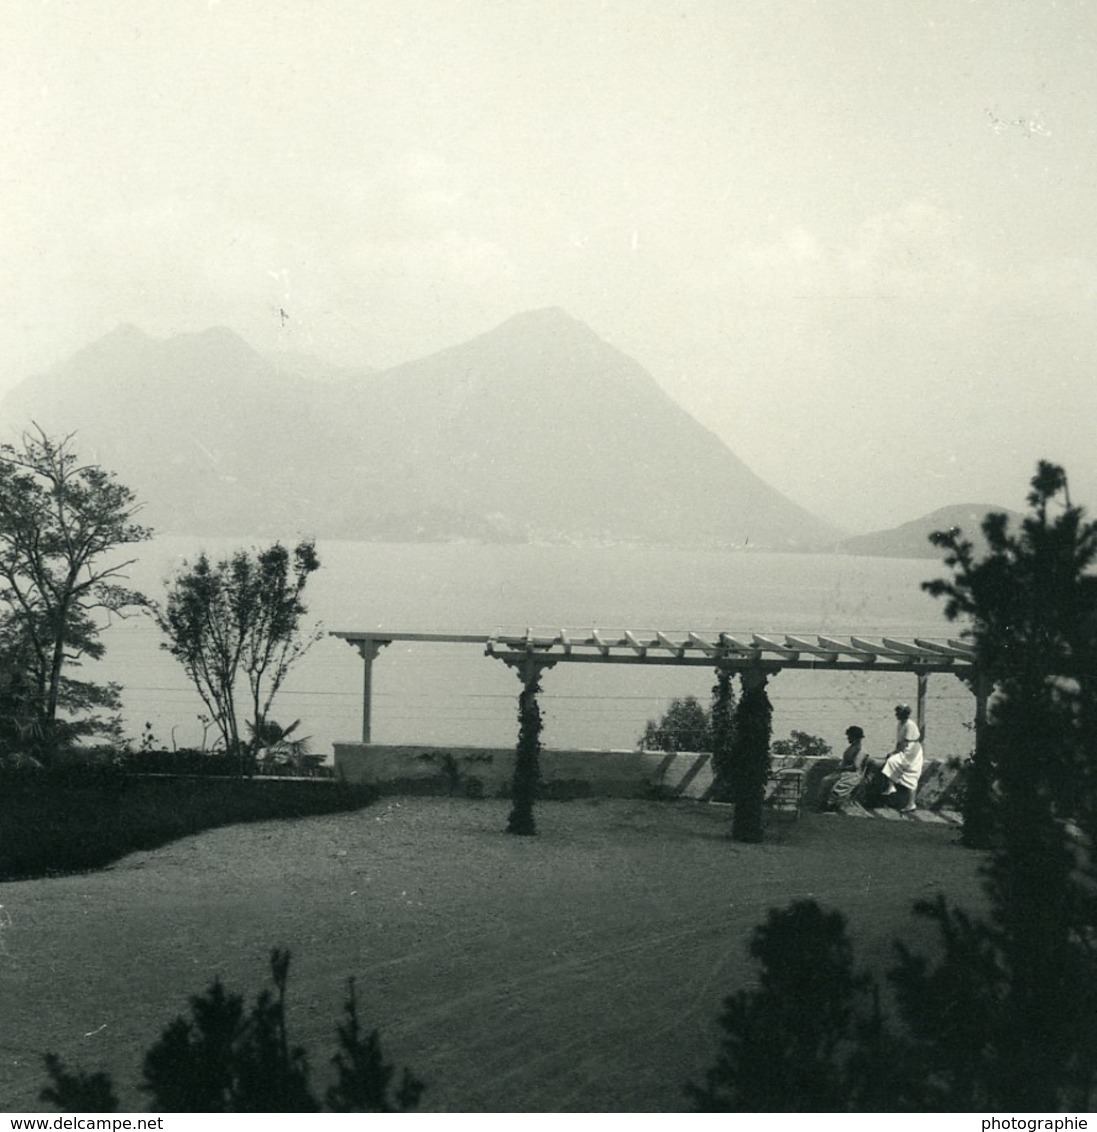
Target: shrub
<point x="685" y="726"/>
<point x="800" y="744"/>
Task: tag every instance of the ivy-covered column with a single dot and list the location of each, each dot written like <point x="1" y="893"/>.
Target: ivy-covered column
<point x="527" y="768"/>
<point x="753" y="728"/>
<point x="723" y="735"/>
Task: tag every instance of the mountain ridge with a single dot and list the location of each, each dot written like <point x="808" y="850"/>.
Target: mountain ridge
<point x="535" y="429"/>
<point x="911" y="539"/>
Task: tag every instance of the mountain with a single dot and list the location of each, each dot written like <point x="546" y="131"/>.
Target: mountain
<point x="911" y="540"/>
<point x="537" y="429"/>
<point x="296" y="363"/>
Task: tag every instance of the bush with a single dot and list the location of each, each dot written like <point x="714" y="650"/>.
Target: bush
<point x="188" y="760"/>
<point x="685" y="726"/>
<point x="802" y="745"/>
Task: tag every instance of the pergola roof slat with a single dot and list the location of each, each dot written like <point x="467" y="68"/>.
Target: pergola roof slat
<point x="964" y="646"/>
<point x="945" y="650"/>
<point x="642" y="649"/>
<point x="847" y="648"/>
<point x="805" y="646"/>
<point x="767" y="645"/>
<point x="749" y="650"/>
<point x="880" y="650"/>
<point x="911" y="650"/>
<point x="700" y="642"/>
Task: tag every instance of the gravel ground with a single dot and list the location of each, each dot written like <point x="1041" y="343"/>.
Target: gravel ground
<point x="579" y="970"/>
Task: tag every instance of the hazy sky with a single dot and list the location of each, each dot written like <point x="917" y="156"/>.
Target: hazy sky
<point x="856" y="239"/>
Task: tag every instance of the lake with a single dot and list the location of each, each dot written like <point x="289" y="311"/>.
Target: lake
<point x="427" y="693"/>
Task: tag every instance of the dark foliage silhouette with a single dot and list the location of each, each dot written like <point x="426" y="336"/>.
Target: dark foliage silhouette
<point x="226" y="1058"/>
<point x="1004" y="1018"/>
<point x="750" y="762"/>
<point x="794" y="1044"/>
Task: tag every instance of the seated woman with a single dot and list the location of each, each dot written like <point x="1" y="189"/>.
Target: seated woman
<point x="903" y="767"/>
<point x="838" y="788"/>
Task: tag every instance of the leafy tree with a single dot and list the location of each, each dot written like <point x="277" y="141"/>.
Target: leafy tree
<point x="61" y="526"/>
<point x="240" y="619"/>
<point x="685" y="726"/>
<point x="801" y="744"/>
<point x="225" y="1058"/>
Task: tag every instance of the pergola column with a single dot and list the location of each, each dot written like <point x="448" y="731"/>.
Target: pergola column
<point x="368" y="651"/>
<point x="527" y="767"/>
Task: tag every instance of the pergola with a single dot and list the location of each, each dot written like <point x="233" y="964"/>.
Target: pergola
<point x="756" y="657"/>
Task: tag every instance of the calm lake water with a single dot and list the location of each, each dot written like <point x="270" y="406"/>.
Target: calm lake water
<point x="454" y="694"/>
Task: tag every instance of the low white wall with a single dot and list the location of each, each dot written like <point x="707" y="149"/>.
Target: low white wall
<point x="574" y="773"/>
<point x="487" y="771"/>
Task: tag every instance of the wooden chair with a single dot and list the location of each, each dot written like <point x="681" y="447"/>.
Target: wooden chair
<point x="786" y="790"/>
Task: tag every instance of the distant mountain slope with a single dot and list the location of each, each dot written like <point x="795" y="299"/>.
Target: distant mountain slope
<point x="911" y="540"/>
<point x="535" y="430"/>
<point x="543" y="424"/>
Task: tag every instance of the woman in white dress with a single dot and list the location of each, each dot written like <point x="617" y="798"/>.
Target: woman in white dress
<point x="903" y="767"/>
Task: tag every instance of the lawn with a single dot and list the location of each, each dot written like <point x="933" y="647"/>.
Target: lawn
<point x="579" y="970"/>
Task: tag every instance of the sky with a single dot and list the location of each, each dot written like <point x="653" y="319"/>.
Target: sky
<point x="855" y="239"/>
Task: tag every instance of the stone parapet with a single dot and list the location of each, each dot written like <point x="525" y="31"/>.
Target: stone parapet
<point x="487" y="771"/>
